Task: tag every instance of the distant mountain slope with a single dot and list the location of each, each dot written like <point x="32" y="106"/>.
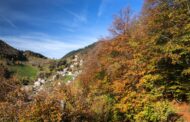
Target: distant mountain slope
<point x="29" y="53"/>
<point x="22" y="64"/>
<point x="9" y="52"/>
<point x="81" y="51"/>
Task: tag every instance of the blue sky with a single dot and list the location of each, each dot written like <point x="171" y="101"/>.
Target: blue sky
<point x="56" y="27"/>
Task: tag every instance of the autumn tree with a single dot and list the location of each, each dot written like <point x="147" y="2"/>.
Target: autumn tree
<point x="121" y="23"/>
<point x="168" y="34"/>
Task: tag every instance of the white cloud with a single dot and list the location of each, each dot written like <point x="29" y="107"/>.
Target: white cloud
<point x="102" y="7"/>
<point x="81" y="17"/>
<point x="8" y="21"/>
<point x="13" y="16"/>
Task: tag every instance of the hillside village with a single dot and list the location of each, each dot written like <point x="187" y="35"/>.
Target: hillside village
<point x="72" y="71"/>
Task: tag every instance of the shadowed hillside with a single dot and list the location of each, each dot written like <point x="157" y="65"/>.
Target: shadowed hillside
<point x="23" y="65"/>
<point x="6" y="51"/>
<point x="83" y="51"/>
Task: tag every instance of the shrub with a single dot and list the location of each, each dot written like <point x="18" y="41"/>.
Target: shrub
<point x="155" y="112"/>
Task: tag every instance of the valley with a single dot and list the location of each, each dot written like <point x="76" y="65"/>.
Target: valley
<point x="140" y="73"/>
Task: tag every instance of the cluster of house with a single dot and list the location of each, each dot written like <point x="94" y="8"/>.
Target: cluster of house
<point x="39" y="84"/>
<point x="74" y="69"/>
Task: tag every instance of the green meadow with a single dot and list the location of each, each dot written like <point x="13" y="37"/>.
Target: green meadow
<point x="25" y="71"/>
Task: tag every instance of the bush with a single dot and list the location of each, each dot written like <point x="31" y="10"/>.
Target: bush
<point x="115" y="53"/>
<point x="155" y="112"/>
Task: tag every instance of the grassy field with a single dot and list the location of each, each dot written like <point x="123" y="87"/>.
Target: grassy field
<point x="25" y="71"/>
<point x="67" y="78"/>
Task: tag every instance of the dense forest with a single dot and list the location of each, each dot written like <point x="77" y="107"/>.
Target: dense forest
<point x="141" y="73"/>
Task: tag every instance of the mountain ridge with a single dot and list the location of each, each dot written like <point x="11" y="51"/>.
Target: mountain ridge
<point x="9" y="52"/>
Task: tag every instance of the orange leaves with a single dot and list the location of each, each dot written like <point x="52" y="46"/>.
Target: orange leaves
<point x="121" y="23"/>
<point x="118" y="87"/>
<point x="42" y="108"/>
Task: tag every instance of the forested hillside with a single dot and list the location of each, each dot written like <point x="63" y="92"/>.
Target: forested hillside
<point x="140" y="74"/>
